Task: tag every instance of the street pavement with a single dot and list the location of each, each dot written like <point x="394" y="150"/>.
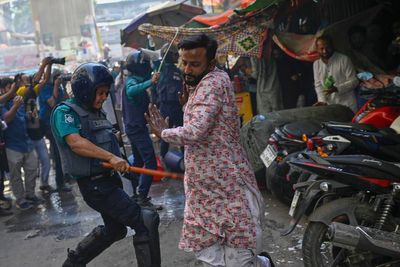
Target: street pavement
<point x="41" y="236"/>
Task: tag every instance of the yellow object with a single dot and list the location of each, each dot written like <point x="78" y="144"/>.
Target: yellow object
<point x="305" y="138"/>
<point x="243" y="103"/>
<point x="23" y="90"/>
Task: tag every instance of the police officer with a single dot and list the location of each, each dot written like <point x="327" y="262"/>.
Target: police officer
<point x="166" y="91"/>
<point x="85" y="138"/>
<point x="135" y="101"/>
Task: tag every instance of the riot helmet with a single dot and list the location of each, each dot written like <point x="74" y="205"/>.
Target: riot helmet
<point x="86" y="79"/>
<point x="137" y="65"/>
<point x="171" y="55"/>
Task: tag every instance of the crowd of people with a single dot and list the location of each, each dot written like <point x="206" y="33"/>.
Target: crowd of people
<point x="191" y="106"/>
<point x="223" y="210"/>
<point x="26" y="103"/>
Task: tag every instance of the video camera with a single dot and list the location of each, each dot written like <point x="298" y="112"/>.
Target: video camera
<point x="56" y="60"/>
<point x="66" y="77"/>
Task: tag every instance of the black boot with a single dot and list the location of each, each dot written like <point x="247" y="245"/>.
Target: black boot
<point x="91" y="246"/>
<point x="146" y="240"/>
<point x="73" y="260"/>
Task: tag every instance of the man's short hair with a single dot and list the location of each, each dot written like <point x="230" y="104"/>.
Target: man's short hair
<point x="202" y="40"/>
<point x="326" y="38"/>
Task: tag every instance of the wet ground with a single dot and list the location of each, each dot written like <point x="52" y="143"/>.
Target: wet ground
<point x="40" y="237"/>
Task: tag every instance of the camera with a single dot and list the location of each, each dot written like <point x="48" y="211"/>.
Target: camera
<point x="66" y="77"/>
<point x="56" y="60"/>
<point x="17" y="77"/>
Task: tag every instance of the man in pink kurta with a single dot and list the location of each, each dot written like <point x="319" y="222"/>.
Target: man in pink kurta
<point x="223" y="203"/>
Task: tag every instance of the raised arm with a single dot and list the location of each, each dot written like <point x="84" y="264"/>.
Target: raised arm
<point x="10" y="114"/>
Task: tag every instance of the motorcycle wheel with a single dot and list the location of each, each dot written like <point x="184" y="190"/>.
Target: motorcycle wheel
<point x="319" y="252"/>
<point x="280" y="188"/>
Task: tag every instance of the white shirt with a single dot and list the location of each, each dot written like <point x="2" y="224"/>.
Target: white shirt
<point x="342" y="70"/>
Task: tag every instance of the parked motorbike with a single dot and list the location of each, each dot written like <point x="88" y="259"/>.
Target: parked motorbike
<point x="353" y="207"/>
<point x="336" y="139"/>
<point x="382" y="108"/>
<point x="287" y="141"/>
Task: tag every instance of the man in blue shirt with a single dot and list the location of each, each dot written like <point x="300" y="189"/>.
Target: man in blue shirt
<point x="135" y="102"/>
<point x="52" y="94"/>
<point x="20" y="153"/>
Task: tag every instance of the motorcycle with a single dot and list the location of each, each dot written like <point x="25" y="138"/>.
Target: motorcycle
<point x="336" y="139"/>
<point x="353" y="208"/>
<point x="288" y="141"/>
<point x="284" y="144"/>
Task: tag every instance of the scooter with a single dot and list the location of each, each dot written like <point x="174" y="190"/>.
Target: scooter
<point x="353" y="208"/>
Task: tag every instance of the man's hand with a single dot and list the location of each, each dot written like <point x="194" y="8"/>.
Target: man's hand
<point x="18" y="101"/>
<point x="156" y="121"/>
<point x="46" y="61"/>
<point x="184" y="95"/>
<point x="15" y="86"/>
<point x="58" y="80"/>
<point x="155" y="78"/>
<point x="330" y="91"/>
<point x="119" y="164"/>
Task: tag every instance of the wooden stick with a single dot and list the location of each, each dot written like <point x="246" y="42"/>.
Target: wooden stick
<point x="173" y="175"/>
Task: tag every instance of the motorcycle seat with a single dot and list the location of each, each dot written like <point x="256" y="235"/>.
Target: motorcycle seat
<point x="298" y="128"/>
<point x="393" y="169"/>
<point x="351" y="125"/>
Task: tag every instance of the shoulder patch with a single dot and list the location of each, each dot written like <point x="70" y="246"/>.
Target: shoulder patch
<point x="68" y="118"/>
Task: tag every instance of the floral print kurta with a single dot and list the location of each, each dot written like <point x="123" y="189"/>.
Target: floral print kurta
<point x="217" y="170"/>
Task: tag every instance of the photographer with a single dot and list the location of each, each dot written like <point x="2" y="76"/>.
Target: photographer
<point x="5" y="94"/>
<point x="19" y="151"/>
<point x="53" y="93"/>
<point x="30" y="88"/>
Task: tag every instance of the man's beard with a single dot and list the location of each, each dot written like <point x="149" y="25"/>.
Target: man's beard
<point x="193" y="80"/>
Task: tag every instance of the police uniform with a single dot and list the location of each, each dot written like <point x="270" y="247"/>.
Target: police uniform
<point x="101" y="188"/>
<point x="135" y="102"/>
<point x="167" y="99"/>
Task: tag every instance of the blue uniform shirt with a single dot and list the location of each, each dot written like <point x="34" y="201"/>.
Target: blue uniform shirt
<point x="16" y="135"/>
<point x="135" y="102"/>
<point x="65" y="121"/>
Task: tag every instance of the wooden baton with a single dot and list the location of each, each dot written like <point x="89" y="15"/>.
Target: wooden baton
<point x="173" y="175"/>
